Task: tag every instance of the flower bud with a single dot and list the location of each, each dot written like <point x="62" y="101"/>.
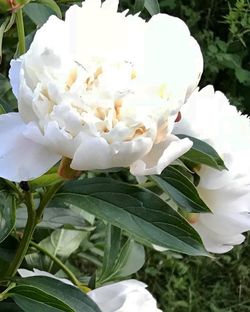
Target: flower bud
<point x="11" y="5"/>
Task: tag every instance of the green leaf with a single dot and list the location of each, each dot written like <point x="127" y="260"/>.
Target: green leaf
<point x="42" y="294"/>
<point x="136" y="210"/>
<point x="202" y="153"/>
<point x="7" y="215"/>
<point x="130" y="260"/>
<point x="120" y="262"/>
<point x="139" y="5"/>
<point x="52" y="5"/>
<point x="4" y="85"/>
<point x="111" y="251"/>
<point x="181" y="190"/>
<point x="152" y="6"/>
<point x="61" y="243"/>
<point x="38" y="13"/>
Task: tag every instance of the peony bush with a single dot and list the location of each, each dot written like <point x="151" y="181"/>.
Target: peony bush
<point x="113" y="147"/>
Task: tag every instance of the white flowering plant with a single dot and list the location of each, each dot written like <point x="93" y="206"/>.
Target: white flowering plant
<point x="111" y="147"/>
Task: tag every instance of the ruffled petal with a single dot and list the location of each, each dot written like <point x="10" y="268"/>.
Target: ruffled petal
<point x="97" y="153"/>
<point x="160" y="156"/>
<point x="20" y="158"/>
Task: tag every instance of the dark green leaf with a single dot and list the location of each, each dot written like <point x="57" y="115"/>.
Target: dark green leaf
<point x="7" y="252"/>
<point x="9" y="307"/>
<point x="139" y="5"/>
<point x="138" y="211"/>
<point x="202" y="153"/>
<point x="4" y="85"/>
<point x="181" y="190"/>
<point x="7" y="215"/>
<point x="112" y="248"/>
<point x="42" y="294"/>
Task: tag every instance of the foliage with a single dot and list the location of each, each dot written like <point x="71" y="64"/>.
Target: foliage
<point x="190" y="284"/>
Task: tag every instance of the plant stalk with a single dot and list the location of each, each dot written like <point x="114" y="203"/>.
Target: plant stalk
<point x="27" y="236"/>
<point x="69" y="273"/>
<point x="20" y="32"/>
<point x="34" y="217"/>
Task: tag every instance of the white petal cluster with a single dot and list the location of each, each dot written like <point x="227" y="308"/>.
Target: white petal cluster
<point x="208" y="116"/>
<point x="101" y="88"/>
<point x="124" y="296"/>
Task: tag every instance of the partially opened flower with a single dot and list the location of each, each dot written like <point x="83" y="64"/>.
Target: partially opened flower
<point x="124" y="296"/>
<point x="208" y="116"/>
<point x="101" y="88"/>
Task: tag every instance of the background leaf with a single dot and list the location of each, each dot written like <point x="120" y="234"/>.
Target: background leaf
<point x="61" y="243"/>
<point x="7" y="214"/>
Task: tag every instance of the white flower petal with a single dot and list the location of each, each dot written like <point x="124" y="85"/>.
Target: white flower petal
<point x="97" y="153"/>
<point x="208" y="116"/>
<point x="124" y="296"/>
<point x="14" y="75"/>
<point x="160" y="156"/>
<point x="20" y="158"/>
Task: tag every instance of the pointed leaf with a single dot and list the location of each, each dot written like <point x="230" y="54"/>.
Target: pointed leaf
<point x="42" y="293"/>
<point x="52" y="5"/>
<point x="152" y="6"/>
<point x="138" y="211"/>
<point x="181" y="190"/>
<point x="202" y="153"/>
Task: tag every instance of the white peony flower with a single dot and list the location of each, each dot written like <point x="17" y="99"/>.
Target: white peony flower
<point x="208" y="116"/>
<point x="101" y="88"/>
<point x="124" y="296"/>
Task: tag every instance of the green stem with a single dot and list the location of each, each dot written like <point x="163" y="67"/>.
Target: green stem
<point x="70" y="274"/>
<point x="27" y="236"/>
<point x="20" y="32"/>
<point x="4" y="295"/>
<point x="34" y="217"/>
